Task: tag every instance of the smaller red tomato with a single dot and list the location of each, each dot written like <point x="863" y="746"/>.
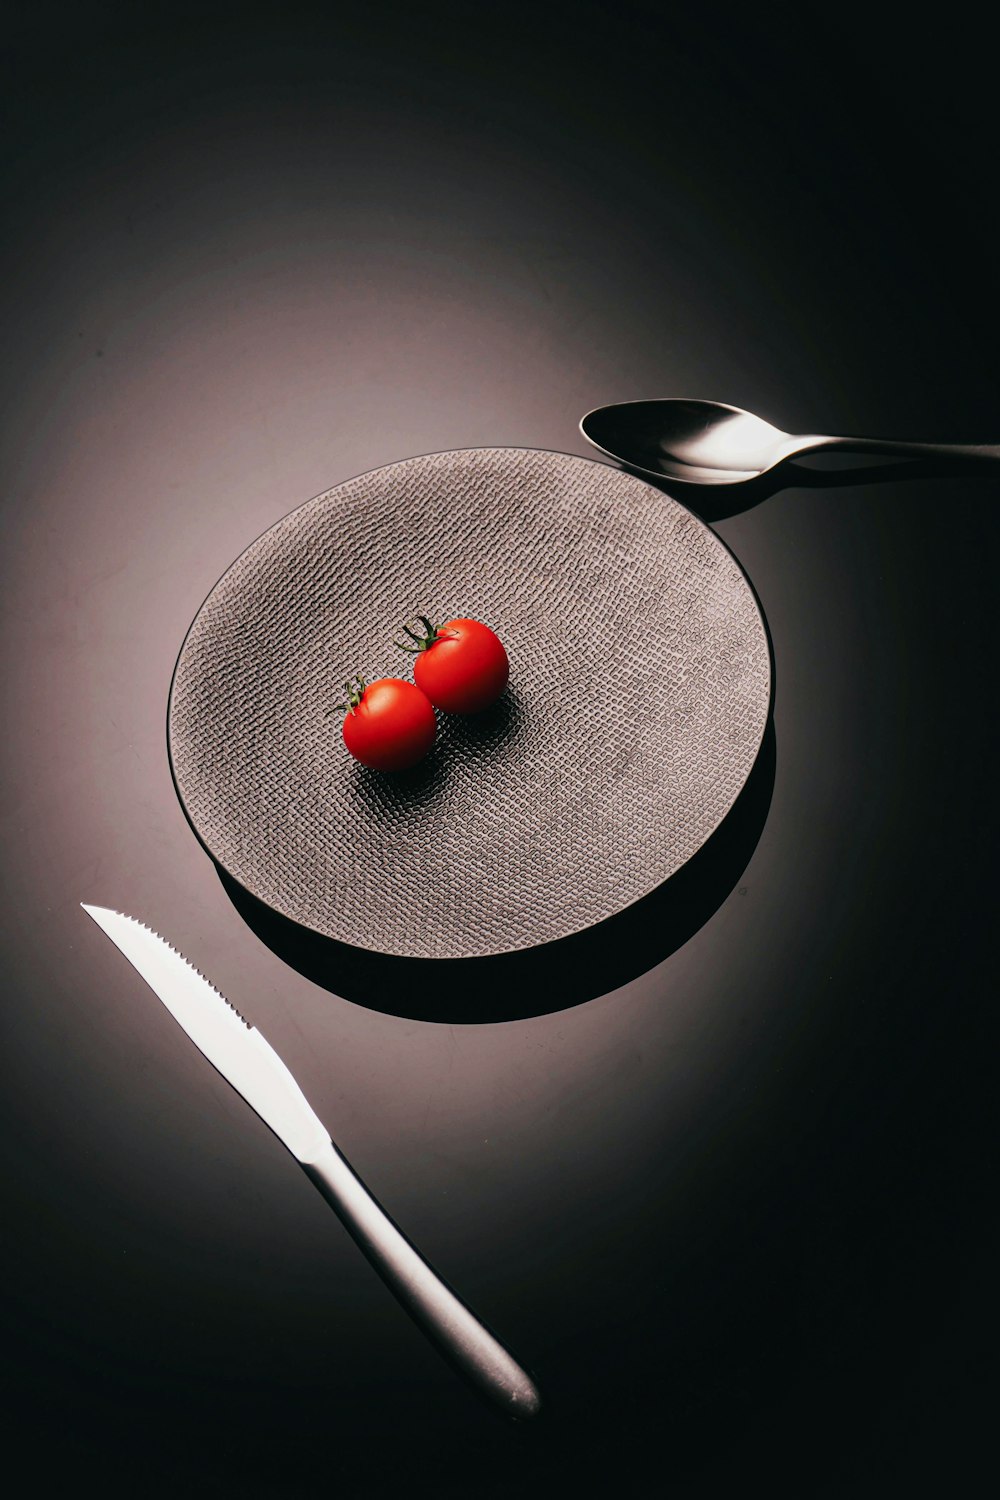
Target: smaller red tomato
<point x="389" y="724"/>
<point x="461" y="666"/>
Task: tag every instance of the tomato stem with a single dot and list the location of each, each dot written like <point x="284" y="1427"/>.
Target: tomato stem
<point x="423" y="642"/>
<point x="355" y="692"/>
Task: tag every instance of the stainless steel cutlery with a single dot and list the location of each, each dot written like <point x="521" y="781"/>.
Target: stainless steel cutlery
<point x="708" y="442"/>
<point x="255" y="1070"/>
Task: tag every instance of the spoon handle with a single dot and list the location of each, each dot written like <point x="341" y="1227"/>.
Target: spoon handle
<point x="964" y="452"/>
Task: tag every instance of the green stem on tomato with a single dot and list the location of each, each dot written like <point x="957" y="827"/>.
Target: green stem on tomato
<point x="355" y="692"/>
<point x="424" y="642"/>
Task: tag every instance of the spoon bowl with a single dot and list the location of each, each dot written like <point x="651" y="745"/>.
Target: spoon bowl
<point x="697" y="442"/>
<point x="708" y="442"/>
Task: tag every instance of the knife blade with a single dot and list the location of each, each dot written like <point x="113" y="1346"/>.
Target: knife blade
<point x="248" y="1062"/>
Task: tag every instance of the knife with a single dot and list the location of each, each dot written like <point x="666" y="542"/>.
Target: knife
<point x="255" y="1070"/>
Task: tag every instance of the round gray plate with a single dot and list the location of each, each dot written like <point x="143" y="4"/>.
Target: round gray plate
<point x="638" y="697"/>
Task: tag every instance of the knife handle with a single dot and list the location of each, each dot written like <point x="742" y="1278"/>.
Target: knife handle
<point x="452" y="1328"/>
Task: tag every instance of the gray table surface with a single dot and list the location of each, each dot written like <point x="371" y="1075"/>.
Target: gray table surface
<point x="726" y="1194"/>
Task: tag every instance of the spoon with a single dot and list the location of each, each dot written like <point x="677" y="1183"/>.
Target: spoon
<point x="707" y="442"/>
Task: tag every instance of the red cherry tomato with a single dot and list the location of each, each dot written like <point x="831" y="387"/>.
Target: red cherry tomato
<point x="461" y="666"/>
<point x="389" y="725"/>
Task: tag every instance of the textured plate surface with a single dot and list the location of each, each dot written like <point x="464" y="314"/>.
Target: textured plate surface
<point x="639" y="693"/>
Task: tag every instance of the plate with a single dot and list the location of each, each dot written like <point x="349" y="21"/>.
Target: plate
<point x="639" y="693"/>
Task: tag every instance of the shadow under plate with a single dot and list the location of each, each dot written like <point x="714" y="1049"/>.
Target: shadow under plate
<point x="541" y="980"/>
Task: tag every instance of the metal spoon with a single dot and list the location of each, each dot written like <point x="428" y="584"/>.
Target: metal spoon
<point x="707" y="442"/>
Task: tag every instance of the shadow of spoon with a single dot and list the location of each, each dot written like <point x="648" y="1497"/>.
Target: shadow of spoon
<point x="719" y="502"/>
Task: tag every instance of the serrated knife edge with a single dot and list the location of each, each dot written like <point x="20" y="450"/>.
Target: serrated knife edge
<point x="255" y="1070"/>
<point x="235" y="1048"/>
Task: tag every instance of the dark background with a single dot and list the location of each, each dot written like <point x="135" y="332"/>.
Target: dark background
<point x="734" y="1212"/>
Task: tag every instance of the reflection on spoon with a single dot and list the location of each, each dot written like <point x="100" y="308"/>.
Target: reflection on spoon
<point x="707" y="442"/>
